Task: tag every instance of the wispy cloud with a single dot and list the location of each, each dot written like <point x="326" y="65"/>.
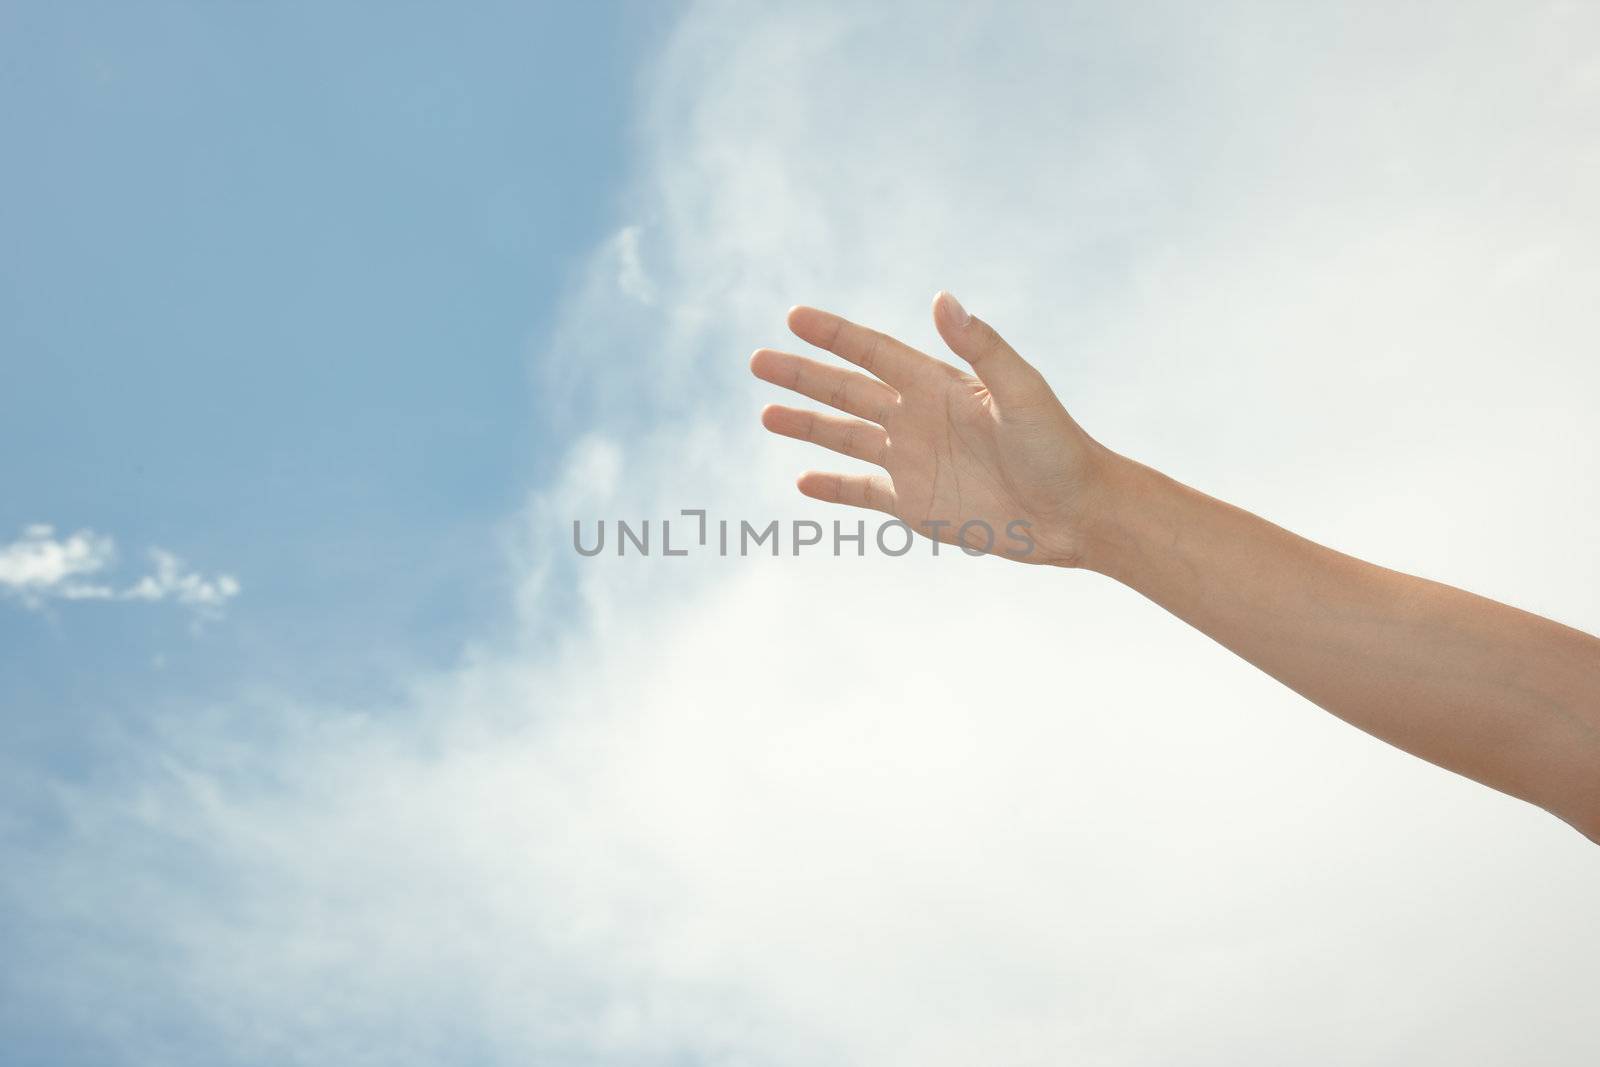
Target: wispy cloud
<point x="631" y="277"/>
<point x="41" y="566"/>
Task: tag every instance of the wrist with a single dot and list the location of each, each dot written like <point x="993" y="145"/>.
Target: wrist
<point x="1121" y="505"/>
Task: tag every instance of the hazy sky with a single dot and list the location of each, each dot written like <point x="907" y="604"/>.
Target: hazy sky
<point x="321" y="744"/>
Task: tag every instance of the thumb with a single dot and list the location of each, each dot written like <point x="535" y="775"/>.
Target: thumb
<point x="1009" y="378"/>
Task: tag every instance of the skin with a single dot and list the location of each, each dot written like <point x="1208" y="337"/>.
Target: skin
<point x="1499" y="695"/>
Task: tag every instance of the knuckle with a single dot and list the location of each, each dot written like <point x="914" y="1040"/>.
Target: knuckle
<point x="871" y="356"/>
<point x="837" y="395"/>
<point x="833" y="337"/>
<point x="847" y="443"/>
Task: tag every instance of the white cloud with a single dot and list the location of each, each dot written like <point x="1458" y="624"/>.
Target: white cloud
<point x="40" y="566"/>
<point x="38" y="563"/>
<point x="1333" y="263"/>
<point x="170" y="580"/>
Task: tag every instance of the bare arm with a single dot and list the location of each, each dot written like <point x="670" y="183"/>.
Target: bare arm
<point x="1497" y="694"/>
<point x="1502" y="696"/>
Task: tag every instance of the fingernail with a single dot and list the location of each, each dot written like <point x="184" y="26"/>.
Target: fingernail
<point x="952" y="308"/>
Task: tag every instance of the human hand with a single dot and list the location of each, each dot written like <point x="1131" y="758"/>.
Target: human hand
<point x="994" y="447"/>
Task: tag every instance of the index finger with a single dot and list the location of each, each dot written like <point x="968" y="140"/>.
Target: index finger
<point x="876" y="353"/>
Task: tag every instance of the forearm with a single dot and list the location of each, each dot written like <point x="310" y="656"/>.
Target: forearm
<point x="1494" y="693"/>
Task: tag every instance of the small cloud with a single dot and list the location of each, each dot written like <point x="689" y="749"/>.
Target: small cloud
<point x="186" y="587"/>
<point x="40" y="563"/>
<point x="40" y="567"/>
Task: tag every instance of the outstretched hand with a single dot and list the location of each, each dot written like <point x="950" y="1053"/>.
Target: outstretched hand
<point x="994" y="447"/>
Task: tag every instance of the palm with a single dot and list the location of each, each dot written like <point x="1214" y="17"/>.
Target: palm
<point x="965" y="459"/>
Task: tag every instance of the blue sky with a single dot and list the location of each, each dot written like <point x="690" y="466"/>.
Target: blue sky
<point x="269" y="281"/>
<point x="360" y="306"/>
